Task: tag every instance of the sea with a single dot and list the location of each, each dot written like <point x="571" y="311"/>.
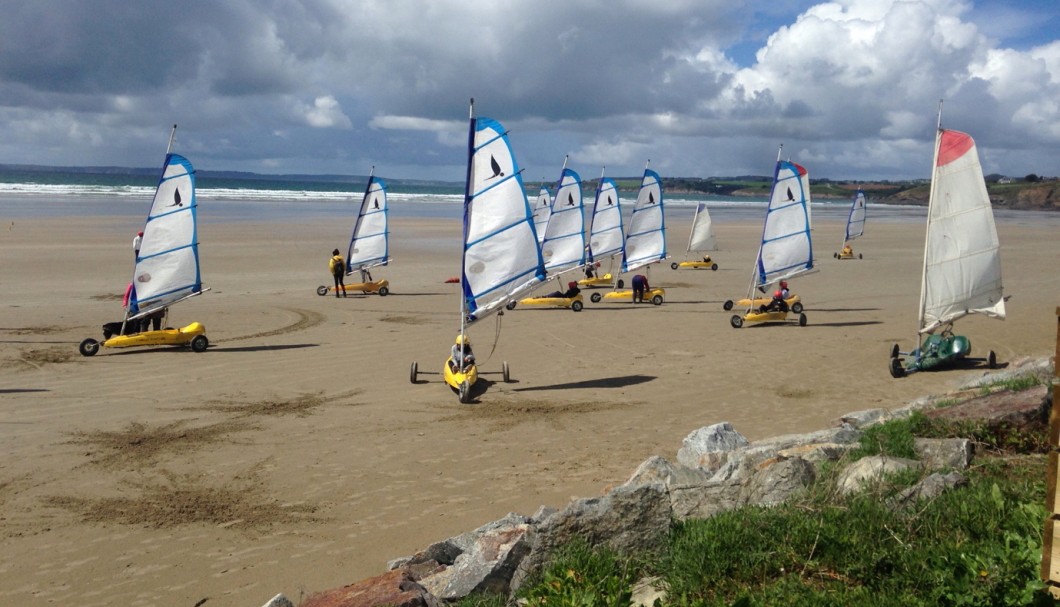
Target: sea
<point x="32" y="194"/>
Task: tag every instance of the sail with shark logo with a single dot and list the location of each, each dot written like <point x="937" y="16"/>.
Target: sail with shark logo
<point x="167" y="265"/>
<point x="607" y="237"/>
<point x="501" y="259"/>
<point x="786" y="249"/>
<point x="563" y="246"/>
<point x="646" y="237"/>
<point x="542" y="211"/>
<point x="368" y="244"/>
<point x="855" y="226"/>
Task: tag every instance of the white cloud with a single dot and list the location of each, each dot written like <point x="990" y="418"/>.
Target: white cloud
<point x="325" y="113"/>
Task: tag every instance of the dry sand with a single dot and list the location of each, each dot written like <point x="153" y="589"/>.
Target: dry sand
<point x="295" y="456"/>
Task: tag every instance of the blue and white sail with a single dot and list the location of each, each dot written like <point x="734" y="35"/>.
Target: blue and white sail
<point x="606" y="236"/>
<point x="563" y="247"/>
<point x="787" y="248"/>
<point x="167" y="266"/>
<point x="856" y="219"/>
<point x="501" y="258"/>
<point x="542" y="211"/>
<point x="369" y="241"/>
<point x="646" y="237"/>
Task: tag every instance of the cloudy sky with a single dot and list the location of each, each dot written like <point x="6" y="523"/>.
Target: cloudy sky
<point x="699" y="87"/>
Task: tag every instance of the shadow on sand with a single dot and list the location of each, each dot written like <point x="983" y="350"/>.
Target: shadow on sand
<point x="603" y="382"/>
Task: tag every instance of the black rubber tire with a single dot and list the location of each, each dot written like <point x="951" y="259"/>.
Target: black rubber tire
<point x="506" y="372"/>
<point x="859" y="256"/>
<point x="714" y="267"/>
<point x="727" y="305"/>
<point x="322" y="290"/>
<point x="894" y="351"/>
<point x="896" y="368"/>
<point x="802" y="320"/>
<point x="657" y="300"/>
<point x="464" y="392"/>
<point x="621" y="284"/>
<point x="836" y="255"/>
<point x="797" y="307"/>
<point x="384" y="291"/>
<point x="199" y="343"/>
<point x="595" y="297"/>
<point x="674" y="265"/>
<point x="414" y="372"/>
<point x="736" y="321"/>
<point x="576" y="306"/>
<point x="991" y="360"/>
<point x="510" y="305"/>
<point x="88" y="347"/>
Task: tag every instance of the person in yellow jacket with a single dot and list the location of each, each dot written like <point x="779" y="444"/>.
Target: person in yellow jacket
<point x="337" y="265"/>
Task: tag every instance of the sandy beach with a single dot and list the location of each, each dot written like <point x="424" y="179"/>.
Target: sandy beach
<point x="294" y="455"/>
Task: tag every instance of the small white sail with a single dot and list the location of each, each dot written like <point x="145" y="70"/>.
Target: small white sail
<point x="787" y="249"/>
<point x="702" y="236"/>
<point x="167" y="267"/>
<point x="646" y="237"/>
<point x="501" y="255"/>
<point x="542" y="211"/>
<point x="563" y="246"/>
<point x="368" y="244"/>
<point x="962" y="260"/>
<point x="856" y="219"/>
<point x="606" y="236"/>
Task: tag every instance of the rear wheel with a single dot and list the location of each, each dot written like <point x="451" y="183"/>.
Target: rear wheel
<point x="88" y="347"/>
<point x="595" y="297"/>
<point x="414" y="372"/>
<point x="894" y="351"/>
<point x="673" y="266"/>
<point x="384" y="291"/>
<point x="657" y="300"/>
<point x="510" y="305"/>
<point x="859" y="256"/>
<point x="322" y="290"/>
<point x="576" y="306"/>
<point x="199" y="343"/>
<point x="505" y="372"/>
<point x="727" y="305"/>
<point x="465" y="392"/>
<point x="621" y="284"/>
<point x="714" y="267"/>
<point x="991" y="360"/>
<point x="896" y="368"/>
<point x="802" y="320"/>
<point x="736" y="321"/>
<point x="797" y="307"/>
<point x="836" y="255"/>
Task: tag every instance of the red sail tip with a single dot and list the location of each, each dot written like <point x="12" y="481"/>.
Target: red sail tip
<point x="953" y="145"/>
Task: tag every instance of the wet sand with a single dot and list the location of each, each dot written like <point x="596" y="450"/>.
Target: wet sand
<point x="295" y="455"/>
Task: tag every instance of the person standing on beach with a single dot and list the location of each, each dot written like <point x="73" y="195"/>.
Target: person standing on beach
<point x="337" y="265"/>
<point x="137" y="241"/>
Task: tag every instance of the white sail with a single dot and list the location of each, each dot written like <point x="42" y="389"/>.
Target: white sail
<point x="702" y="236"/>
<point x="501" y="255"/>
<point x="787" y="249"/>
<point x="563" y="246"/>
<point x="606" y="236"/>
<point x="542" y="211"/>
<point x="167" y="267"/>
<point x="856" y="220"/>
<point x="646" y="237"/>
<point x="962" y="261"/>
<point x="368" y="244"/>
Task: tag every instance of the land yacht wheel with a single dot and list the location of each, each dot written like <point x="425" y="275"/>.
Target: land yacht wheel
<point x="714" y="267"/>
<point x="199" y="343"/>
<point x="576" y="306"/>
<point x="621" y="284"/>
<point x="414" y="372"/>
<point x="657" y="300"/>
<point x="510" y="305"/>
<point x="88" y="347"/>
<point x="727" y="305"/>
<point x="595" y="297"/>
<point x="991" y="360"/>
<point x="322" y="290"/>
<point x="894" y="351"/>
<point x="736" y="321"/>
<point x="506" y="372"/>
<point x="896" y="368"/>
<point x="673" y="266"/>
<point x="802" y="320"/>
<point x="797" y="307"/>
<point x="384" y="291"/>
<point x="465" y="392"/>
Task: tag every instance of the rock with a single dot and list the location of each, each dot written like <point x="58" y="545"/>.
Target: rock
<point x="931" y="487"/>
<point x="842" y="435"/>
<point x="391" y="589"/>
<point x="487" y="565"/>
<point x="646" y="591"/>
<point x="279" y="601"/>
<point x="777" y="480"/>
<point x="1042" y="368"/>
<point x="870" y="471"/>
<point x="659" y="470"/>
<point x="707" y="440"/>
<point x="944" y="453"/>
<point x="818" y="452"/>
<point x="447" y="551"/>
<point x="1019" y="408"/>
<point x="699" y="501"/>
<point x="861" y="419"/>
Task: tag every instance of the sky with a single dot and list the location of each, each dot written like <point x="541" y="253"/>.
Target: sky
<point x="699" y="88"/>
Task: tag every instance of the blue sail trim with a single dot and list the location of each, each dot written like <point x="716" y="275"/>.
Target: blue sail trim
<point x="472" y="299"/>
<point x="492" y="234"/>
<point x="168" y="251"/>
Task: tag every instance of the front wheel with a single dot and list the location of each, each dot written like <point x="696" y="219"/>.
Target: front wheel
<point x="727" y="305"/>
<point x="576" y="306"/>
<point x="322" y="290"/>
<point x="797" y="307"/>
<point x="896" y="368"/>
<point x="506" y="372"/>
<point x="736" y="321"/>
<point x="991" y="360"/>
<point x="510" y="305"/>
<point x="836" y="255"/>
<point x="465" y="392"/>
<point x="88" y="347"/>
<point x="595" y="297"/>
<point x="621" y="284"/>
<point x="384" y="291"/>
<point x="859" y="256"/>
<point x="414" y="372"/>
<point x="894" y="351"/>
<point x="714" y="267"/>
<point x="673" y="266"/>
<point x="199" y="343"/>
<point x="802" y="320"/>
<point x="657" y="300"/>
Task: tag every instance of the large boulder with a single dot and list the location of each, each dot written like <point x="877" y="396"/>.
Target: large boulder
<point x="700" y="448"/>
<point x="944" y="453"/>
<point x="931" y="487"/>
<point x="779" y="479"/>
<point x="391" y="589"/>
<point x="485" y="565"/>
<point x="870" y="471"/>
<point x="1020" y="408"/>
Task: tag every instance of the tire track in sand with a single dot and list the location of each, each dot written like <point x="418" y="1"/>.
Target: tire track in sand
<point x="307" y="319"/>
